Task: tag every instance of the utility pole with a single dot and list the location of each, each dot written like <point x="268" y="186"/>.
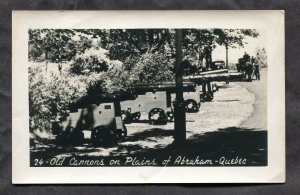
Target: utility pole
<point x="179" y="106"/>
<point x="227" y="81"/>
<point x="226" y="55"/>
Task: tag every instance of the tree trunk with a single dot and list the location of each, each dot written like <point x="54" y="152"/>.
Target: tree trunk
<point x="46" y="60"/>
<point x="150" y="39"/>
<point x="200" y="57"/>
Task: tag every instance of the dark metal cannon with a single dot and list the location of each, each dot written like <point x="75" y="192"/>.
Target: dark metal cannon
<point x="98" y="113"/>
<point x="168" y="86"/>
<point x="205" y="80"/>
<point x="156" y="99"/>
<point x="240" y="66"/>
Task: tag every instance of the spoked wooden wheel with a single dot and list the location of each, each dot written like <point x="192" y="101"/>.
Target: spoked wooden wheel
<point x="157" y="116"/>
<point x="135" y="116"/>
<point x="97" y="137"/>
<point x="215" y="87"/>
<point x="123" y="133"/>
<point x="103" y="136"/>
<point x="207" y="97"/>
<point x="191" y="106"/>
<point x="170" y="115"/>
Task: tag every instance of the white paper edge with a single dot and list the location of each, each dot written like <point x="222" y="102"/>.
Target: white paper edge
<point x="272" y="21"/>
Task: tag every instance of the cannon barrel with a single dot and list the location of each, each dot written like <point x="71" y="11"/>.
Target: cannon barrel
<point x="214" y="72"/>
<point x="162" y="86"/>
<point x="199" y="79"/>
<point x="84" y="101"/>
<point x="131" y="94"/>
<point x="235" y="76"/>
<point x="207" y="76"/>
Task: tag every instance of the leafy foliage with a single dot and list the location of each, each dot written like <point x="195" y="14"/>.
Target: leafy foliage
<point x="56" y="43"/>
<point x="109" y="60"/>
<point x="198" y="43"/>
<point x="152" y="68"/>
<point x="261" y="56"/>
<point x="49" y="95"/>
<point x="92" y="60"/>
<point x="126" y="44"/>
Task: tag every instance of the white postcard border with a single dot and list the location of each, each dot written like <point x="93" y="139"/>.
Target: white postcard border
<point x="271" y="21"/>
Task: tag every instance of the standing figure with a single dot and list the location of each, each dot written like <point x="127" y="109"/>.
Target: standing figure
<point x="238" y="67"/>
<point x="256" y="71"/>
<point x="208" y="58"/>
<point x="252" y="60"/>
<point x="246" y="57"/>
<point x="249" y="70"/>
<point x="59" y="65"/>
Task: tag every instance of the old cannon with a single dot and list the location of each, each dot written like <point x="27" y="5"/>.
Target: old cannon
<point x="205" y="81"/>
<point x="99" y="113"/>
<point x="240" y="66"/>
<point x="156" y="100"/>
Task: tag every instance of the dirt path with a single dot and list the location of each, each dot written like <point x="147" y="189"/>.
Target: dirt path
<point x="258" y="119"/>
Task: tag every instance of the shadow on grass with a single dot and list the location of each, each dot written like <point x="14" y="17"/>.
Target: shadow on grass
<point x="144" y="135"/>
<point x="230" y="143"/>
<point x="227" y="100"/>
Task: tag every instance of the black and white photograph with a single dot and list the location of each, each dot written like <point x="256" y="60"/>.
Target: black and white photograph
<point x="160" y="96"/>
<point x="112" y="94"/>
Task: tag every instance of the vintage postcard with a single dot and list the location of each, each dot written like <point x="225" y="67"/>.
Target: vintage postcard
<point x="148" y="97"/>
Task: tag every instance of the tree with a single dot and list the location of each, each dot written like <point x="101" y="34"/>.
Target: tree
<point x="92" y="60"/>
<point x="152" y="68"/>
<point x="49" y="96"/>
<point x="56" y="43"/>
<point x="118" y="58"/>
<point x="261" y="57"/>
<point x="127" y="44"/>
<point x="233" y="37"/>
<point x="195" y="42"/>
<point x="198" y="43"/>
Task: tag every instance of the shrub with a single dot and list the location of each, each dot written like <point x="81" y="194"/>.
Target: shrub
<point x="49" y="95"/>
<point x="92" y="60"/>
<point x="261" y="56"/>
<point x="152" y="68"/>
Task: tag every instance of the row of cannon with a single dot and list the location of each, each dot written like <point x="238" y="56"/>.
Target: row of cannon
<point x="106" y="115"/>
<point x="157" y="101"/>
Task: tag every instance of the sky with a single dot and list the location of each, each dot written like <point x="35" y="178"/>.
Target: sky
<point x="234" y="54"/>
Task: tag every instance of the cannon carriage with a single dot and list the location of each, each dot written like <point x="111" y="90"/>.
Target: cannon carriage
<point x="206" y="82"/>
<point x="98" y="113"/>
<point x="241" y="65"/>
<point x="156" y="101"/>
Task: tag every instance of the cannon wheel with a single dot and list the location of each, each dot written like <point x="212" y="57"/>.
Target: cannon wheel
<point x="191" y="106"/>
<point x="215" y="87"/>
<point x="70" y="136"/>
<point x="170" y="115"/>
<point x="135" y="116"/>
<point x="157" y="116"/>
<point x="123" y="132"/>
<point x="208" y="97"/>
<point x="103" y="136"/>
<point x="95" y="139"/>
<point x="76" y="137"/>
<point x="125" y="115"/>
